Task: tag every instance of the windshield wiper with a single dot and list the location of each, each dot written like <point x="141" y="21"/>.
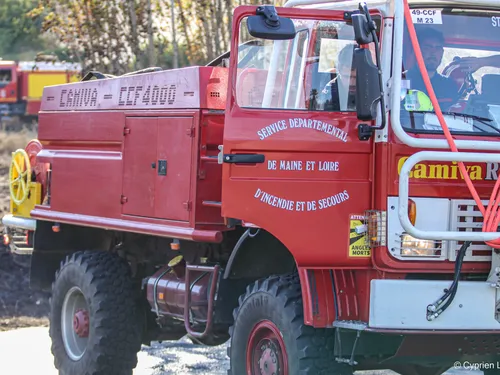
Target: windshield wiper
<point x="482" y="120"/>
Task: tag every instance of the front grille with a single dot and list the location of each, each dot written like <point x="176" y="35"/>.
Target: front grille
<point x="466" y="217"/>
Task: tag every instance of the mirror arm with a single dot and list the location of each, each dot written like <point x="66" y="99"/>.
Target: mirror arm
<point x="372" y="28"/>
<point x="270" y="15"/>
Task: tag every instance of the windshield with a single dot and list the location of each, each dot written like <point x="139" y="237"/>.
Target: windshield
<point x="461" y="51"/>
<point x="312" y="72"/>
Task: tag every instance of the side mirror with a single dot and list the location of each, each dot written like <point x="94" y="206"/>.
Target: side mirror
<point x="268" y="25"/>
<point x="368" y="92"/>
<point x="362" y="29"/>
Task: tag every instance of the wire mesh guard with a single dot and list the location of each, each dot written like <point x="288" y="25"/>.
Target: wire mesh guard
<point x="466" y="217"/>
<point x="376" y="227"/>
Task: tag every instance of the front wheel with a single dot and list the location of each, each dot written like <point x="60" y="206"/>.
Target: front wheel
<point x="269" y="335"/>
<point x="94" y="319"/>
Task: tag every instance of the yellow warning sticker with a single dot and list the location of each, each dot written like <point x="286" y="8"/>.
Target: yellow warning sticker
<point x="357" y="237"/>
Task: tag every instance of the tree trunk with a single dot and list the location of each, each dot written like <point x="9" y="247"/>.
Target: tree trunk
<point x="186" y="34"/>
<point x="151" y="50"/>
<point x="216" y="34"/>
<point x="206" y="30"/>
<point x="174" y="39"/>
<point x="133" y="28"/>
<point x="222" y="27"/>
<point x="229" y="15"/>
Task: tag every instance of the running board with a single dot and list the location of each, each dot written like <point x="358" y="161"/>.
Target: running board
<point x="350" y="324"/>
<point x="404" y="181"/>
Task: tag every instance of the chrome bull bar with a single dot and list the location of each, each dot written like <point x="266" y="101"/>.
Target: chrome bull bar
<point x="404" y="186"/>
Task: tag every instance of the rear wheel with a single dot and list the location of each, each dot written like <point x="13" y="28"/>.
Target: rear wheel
<point x="95" y="323"/>
<point x="269" y="335"/>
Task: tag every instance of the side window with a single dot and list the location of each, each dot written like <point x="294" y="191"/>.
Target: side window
<point x="5" y="77"/>
<point x="312" y="72"/>
<point x="333" y="78"/>
<point x="260" y="61"/>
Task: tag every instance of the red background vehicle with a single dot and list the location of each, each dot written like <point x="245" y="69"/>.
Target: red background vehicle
<point x="22" y="83"/>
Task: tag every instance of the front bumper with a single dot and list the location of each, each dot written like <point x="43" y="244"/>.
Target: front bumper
<point x="402" y="305"/>
<point x="10" y="220"/>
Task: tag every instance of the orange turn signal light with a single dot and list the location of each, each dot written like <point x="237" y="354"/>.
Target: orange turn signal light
<point x="412" y="211"/>
<point x="175" y="245"/>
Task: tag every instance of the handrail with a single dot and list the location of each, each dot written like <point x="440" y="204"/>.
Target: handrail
<point x="404" y="181"/>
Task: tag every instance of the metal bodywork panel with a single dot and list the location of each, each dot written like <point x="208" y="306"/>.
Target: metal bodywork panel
<point x="136" y="159"/>
<point x="186" y="88"/>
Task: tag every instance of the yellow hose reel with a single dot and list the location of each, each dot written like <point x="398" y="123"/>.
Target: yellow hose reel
<point x="19" y="176"/>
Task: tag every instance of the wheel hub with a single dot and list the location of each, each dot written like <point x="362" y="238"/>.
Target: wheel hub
<point x="75" y="323"/>
<point x="266" y="351"/>
<point x="268" y="360"/>
<point x="81" y="323"/>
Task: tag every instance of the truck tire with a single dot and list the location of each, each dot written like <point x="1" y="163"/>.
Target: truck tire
<point x="269" y="335"/>
<point x="95" y="323"/>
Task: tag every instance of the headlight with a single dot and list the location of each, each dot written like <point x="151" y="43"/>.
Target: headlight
<point x="411" y="246"/>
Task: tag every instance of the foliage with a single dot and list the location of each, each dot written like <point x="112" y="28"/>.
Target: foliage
<point x="19" y="35"/>
<point x="117" y="36"/>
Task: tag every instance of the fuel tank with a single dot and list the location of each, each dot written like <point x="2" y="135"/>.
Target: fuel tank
<point x="166" y="291"/>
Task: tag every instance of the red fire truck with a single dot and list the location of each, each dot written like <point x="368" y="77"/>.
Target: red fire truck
<point x="323" y="197"/>
<point x="22" y="83"/>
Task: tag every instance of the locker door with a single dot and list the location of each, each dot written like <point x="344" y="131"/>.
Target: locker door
<point x="139" y="168"/>
<point x="174" y="168"/>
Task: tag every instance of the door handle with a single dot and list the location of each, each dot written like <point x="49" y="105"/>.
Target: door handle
<point x="244" y="158"/>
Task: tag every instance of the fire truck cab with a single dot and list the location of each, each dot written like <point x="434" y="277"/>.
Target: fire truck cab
<point x="325" y="201"/>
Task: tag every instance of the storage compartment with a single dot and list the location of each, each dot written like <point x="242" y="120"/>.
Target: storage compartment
<point x="157" y="164"/>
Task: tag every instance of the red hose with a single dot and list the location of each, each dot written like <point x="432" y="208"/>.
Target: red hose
<point x="491" y="214"/>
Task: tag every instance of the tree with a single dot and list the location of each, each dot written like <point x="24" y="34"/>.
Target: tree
<point x="117" y="36"/>
<point x="18" y="34"/>
<point x="95" y="32"/>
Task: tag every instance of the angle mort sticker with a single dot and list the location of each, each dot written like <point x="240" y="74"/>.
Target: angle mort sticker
<point x="357" y="237"/>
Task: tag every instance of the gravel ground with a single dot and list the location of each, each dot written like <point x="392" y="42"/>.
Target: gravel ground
<point x="169" y="358"/>
<point x="182" y="357"/>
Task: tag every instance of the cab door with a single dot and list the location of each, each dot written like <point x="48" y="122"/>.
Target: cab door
<point x="293" y="162"/>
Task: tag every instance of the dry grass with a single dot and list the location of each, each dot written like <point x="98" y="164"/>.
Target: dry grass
<point x="11" y="141"/>
<point x="22" y="322"/>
